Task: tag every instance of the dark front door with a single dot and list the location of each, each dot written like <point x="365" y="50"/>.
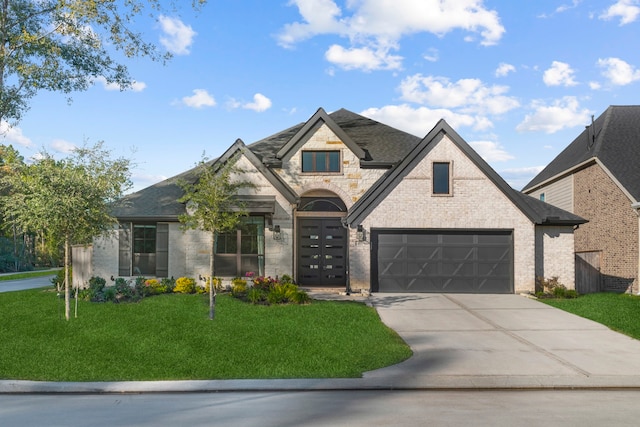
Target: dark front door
<point x="322" y="252"/>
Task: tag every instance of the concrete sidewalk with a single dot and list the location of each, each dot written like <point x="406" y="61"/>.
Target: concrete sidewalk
<point x="459" y="341"/>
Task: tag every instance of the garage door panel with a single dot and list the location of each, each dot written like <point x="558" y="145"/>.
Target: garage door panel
<point x="470" y="261"/>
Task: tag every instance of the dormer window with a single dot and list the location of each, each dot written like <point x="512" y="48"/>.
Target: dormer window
<point x="321" y="161"/>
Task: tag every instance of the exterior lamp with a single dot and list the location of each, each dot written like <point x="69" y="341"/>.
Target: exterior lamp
<point x="277" y="235"/>
<point x="361" y="234"/>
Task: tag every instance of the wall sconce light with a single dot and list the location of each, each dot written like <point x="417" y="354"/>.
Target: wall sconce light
<point x="361" y="234"/>
<point x="277" y="234"/>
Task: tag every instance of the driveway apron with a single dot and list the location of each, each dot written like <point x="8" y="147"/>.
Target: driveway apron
<point x="496" y="341"/>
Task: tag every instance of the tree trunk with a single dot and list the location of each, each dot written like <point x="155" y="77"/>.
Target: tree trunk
<point x="212" y="286"/>
<point x="67" y="261"/>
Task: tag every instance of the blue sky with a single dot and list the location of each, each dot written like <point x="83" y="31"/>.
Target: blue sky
<point x="518" y="80"/>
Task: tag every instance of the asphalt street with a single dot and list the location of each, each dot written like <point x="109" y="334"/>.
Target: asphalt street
<point x="22" y="284"/>
<point x="549" y="408"/>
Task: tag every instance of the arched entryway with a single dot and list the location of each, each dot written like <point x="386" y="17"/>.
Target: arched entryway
<point x="322" y="240"/>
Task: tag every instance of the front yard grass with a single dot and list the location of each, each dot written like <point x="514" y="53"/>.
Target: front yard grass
<point x="169" y="337"/>
<point x="620" y="312"/>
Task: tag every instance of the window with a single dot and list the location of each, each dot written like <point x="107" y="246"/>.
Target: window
<point x="321" y="161"/>
<point x="143" y="249"/>
<point x="441" y="178"/>
<point x="542" y="197"/>
<point x="241" y="251"/>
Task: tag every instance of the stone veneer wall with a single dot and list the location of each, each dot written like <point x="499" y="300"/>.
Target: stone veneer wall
<point x="612" y="227"/>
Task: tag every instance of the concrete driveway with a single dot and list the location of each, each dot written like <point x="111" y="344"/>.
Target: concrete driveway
<point x="502" y="341"/>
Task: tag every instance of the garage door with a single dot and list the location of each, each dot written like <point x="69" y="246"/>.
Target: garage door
<point x="460" y="261"/>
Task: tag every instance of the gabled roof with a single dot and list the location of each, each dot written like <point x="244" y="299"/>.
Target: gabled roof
<point x="613" y="140"/>
<point x="538" y="212"/>
<point x="383" y="145"/>
<point x="160" y="201"/>
<point x="309" y="129"/>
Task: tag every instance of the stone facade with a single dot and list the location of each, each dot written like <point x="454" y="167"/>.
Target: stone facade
<point x="612" y="228"/>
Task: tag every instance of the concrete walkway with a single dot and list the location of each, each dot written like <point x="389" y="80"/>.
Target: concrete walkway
<point x="459" y="341"/>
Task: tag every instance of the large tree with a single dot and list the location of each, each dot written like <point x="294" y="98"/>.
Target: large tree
<point x="70" y="198"/>
<point x="64" y="45"/>
<point x="212" y="206"/>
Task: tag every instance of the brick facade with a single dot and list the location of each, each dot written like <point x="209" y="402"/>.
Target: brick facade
<point x="476" y="203"/>
<point x="612" y="228"/>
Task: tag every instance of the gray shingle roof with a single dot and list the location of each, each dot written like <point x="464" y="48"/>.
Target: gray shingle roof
<point x="613" y="139"/>
<point x="383" y="144"/>
<point x="538" y="212"/>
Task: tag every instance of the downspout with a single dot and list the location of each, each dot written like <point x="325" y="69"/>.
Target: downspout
<point x="343" y="221"/>
<point x="636" y="206"/>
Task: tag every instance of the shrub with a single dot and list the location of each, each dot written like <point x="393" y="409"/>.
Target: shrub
<point x="263" y="283"/>
<point x="110" y="294"/>
<point x="58" y="279"/>
<point x="154" y="287"/>
<point x="300" y="297"/>
<point x="238" y="287"/>
<point x="124" y="291"/>
<point x="552" y="288"/>
<point x="277" y="294"/>
<point x="169" y="283"/>
<point x="185" y="285"/>
<point x="256" y="295"/>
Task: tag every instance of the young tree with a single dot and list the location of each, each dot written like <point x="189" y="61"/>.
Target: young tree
<point x="213" y="208"/>
<point x="64" y="45"/>
<point x="69" y="198"/>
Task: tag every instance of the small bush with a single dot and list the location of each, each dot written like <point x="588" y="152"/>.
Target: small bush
<point x="169" y="283"/>
<point x="552" y="288"/>
<point x="256" y="296"/>
<point x="155" y="287"/>
<point x="185" y="285"/>
<point x="58" y="279"/>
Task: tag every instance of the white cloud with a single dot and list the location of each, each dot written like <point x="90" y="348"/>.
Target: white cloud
<point x="199" y="99"/>
<point x="419" y="121"/>
<point x="619" y="72"/>
<point x="432" y="55"/>
<point x="177" y="37"/>
<point x="491" y="151"/>
<point x="363" y="58"/>
<point x="376" y="26"/>
<point x="135" y="86"/>
<point x="594" y="85"/>
<point x="13" y="134"/>
<point x="470" y="95"/>
<point x="260" y="103"/>
<point x="504" y="69"/>
<point x="560" y="74"/>
<point x="626" y="10"/>
<point x="561" y="114"/>
<point x="62" y="146"/>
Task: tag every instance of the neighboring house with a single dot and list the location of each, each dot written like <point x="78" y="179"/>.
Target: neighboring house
<point x="598" y="178"/>
<point x="345" y="201"/>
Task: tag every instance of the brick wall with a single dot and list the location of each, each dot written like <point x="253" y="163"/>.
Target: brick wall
<point x="612" y="227"/>
<point x="476" y="203"/>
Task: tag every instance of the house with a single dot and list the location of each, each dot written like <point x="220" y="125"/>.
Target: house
<point x="597" y="177"/>
<point x="344" y="201"/>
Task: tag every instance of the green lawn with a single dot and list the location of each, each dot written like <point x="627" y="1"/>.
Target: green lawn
<point x="620" y="312"/>
<point x="169" y="337"/>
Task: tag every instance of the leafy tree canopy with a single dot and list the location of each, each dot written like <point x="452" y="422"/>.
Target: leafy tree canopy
<point x="70" y="197"/>
<point x="64" y="45"/>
